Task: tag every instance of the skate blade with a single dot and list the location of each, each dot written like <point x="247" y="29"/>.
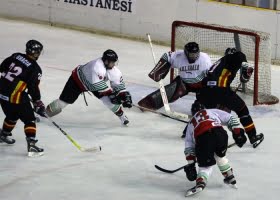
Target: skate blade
<point x="92" y="149"/>
<point x="234" y="186"/>
<point x="193" y="191"/>
<point x="35" y="154"/>
<point x="257" y="143"/>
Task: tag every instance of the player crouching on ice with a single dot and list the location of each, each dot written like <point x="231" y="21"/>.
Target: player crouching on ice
<point x="93" y="77"/>
<point x="206" y="143"/>
<point x="192" y="66"/>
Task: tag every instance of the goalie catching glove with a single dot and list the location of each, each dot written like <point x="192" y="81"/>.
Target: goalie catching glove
<point x="245" y="72"/>
<point x="123" y="98"/>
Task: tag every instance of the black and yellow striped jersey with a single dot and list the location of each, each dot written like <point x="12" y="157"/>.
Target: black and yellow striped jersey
<point x="223" y="71"/>
<point x="20" y="77"/>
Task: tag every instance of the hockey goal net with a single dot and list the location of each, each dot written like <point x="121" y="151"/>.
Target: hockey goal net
<point x="215" y="39"/>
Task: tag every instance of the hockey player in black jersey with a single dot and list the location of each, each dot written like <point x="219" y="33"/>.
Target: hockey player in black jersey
<point x="217" y="91"/>
<point x="20" y="78"/>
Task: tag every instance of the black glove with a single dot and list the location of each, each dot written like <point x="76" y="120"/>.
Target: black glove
<point x="191" y="173"/>
<point x="39" y="108"/>
<point x="239" y="136"/>
<point x="126" y="100"/>
<point x="114" y="98"/>
<point x="123" y="98"/>
<point x="190" y="169"/>
<point x="246" y="72"/>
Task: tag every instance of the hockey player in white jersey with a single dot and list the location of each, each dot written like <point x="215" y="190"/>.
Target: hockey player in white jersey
<point x="192" y="65"/>
<point x="93" y="77"/>
<point x="206" y="143"/>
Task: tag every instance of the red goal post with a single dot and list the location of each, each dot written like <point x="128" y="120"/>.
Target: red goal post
<point x="215" y="39"/>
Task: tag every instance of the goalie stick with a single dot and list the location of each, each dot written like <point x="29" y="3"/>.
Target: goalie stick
<point x="162" y="90"/>
<point x="91" y="149"/>
<point x="159" y="113"/>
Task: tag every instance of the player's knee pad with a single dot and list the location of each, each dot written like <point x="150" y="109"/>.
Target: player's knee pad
<point x="115" y="108"/>
<point x="223" y="164"/>
<point x="221" y="161"/>
<point x="55" y="107"/>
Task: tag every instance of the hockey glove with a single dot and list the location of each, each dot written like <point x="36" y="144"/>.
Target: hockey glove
<point x="127" y="101"/>
<point x="191" y="173"/>
<point x="123" y="98"/>
<point x="246" y="72"/>
<point x="239" y="136"/>
<point x="190" y="169"/>
<point x="39" y="108"/>
<point x="114" y="98"/>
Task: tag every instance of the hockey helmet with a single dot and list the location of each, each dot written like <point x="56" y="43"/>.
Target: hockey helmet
<point x="34" y="48"/>
<point x="110" y="55"/>
<point x="230" y="51"/>
<point x="192" y="51"/>
<point x="196" y="106"/>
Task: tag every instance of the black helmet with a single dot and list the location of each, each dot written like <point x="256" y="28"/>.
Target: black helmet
<point x="110" y="55"/>
<point x="33" y="47"/>
<point x="230" y="51"/>
<point x="196" y="106"/>
<point x="191" y="50"/>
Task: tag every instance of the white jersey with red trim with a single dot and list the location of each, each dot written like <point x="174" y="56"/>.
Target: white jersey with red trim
<point x="206" y="119"/>
<point x="190" y="72"/>
<point x="94" y="76"/>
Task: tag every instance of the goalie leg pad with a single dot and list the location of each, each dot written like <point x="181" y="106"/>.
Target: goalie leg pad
<point x="55" y="107"/>
<point x="174" y="91"/>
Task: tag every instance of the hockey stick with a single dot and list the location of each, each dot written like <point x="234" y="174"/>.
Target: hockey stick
<point x="169" y="171"/>
<point x="178" y="169"/>
<point x="91" y="149"/>
<point x="162" y="89"/>
<point x="160" y="113"/>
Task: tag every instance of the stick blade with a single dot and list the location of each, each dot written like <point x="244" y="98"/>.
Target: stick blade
<point x="163" y="170"/>
<point x="91" y="149"/>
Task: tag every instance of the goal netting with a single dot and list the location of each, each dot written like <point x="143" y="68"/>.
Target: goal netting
<point x="215" y="39"/>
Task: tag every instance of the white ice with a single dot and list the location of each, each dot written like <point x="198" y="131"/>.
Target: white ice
<point x="124" y="169"/>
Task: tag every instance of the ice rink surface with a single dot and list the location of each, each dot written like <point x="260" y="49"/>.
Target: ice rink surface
<point x="124" y="169"/>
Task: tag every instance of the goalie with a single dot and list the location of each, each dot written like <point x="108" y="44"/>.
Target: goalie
<point x="193" y="66"/>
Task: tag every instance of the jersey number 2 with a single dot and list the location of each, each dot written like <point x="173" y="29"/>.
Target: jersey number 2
<point x="13" y="72"/>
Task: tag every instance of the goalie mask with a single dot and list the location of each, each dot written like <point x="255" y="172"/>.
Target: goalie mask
<point x="34" y="49"/>
<point x="196" y="106"/>
<point x="191" y="50"/>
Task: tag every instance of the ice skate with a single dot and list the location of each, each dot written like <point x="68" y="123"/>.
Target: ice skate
<point x="5" y="137"/>
<point x="200" y="185"/>
<point x="124" y="119"/>
<point x="32" y="149"/>
<point x="230" y="179"/>
<point x="256" y="140"/>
